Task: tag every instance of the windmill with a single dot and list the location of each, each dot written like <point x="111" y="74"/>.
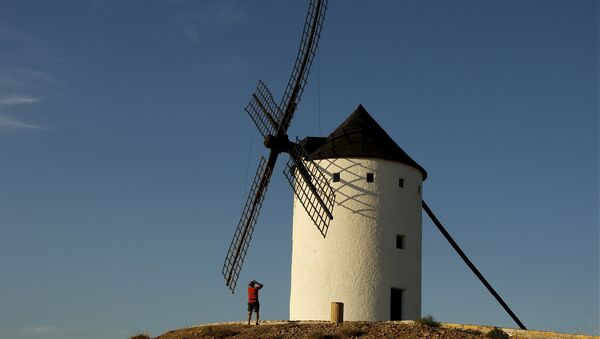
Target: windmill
<point x="345" y="150"/>
<point x="273" y="120"/>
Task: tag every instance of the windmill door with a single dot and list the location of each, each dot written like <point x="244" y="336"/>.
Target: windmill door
<point x="396" y="304"/>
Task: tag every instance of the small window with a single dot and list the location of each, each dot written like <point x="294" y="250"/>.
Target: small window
<point x="419" y="189"/>
<point x="336" y="177"/>
<point x="400" y="182"/>
<point x="370" y="177"/>
<point x="399" y="241"/>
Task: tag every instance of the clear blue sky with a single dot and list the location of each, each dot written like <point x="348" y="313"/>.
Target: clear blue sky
<point x="125" y="154"/>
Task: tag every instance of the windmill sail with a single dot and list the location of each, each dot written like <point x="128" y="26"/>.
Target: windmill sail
<point x="263" y="110"/>
<point x="272" y="121"/>
<point x="311" y="187"/>
<point x="306" y="54"/>
<point x="243" y="233"/>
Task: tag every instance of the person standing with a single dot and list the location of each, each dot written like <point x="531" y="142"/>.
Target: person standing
<point x="253" y="304"/>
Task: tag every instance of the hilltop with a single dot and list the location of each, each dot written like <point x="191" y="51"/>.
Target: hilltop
<point x="366" y="330"/>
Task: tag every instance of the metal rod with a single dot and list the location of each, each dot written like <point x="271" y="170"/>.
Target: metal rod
<point x="470" y="264"/>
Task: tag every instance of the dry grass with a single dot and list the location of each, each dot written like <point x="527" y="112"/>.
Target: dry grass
<point x="354" y="329"/>
<point x="220" y="331"/>
<point x="321" y="335"/>
<point x="496" y="333"/>
<point x="429" y="321"/>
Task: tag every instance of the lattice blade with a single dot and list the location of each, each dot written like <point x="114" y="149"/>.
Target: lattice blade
<point x="308" y="47"/>
<point x="311" y="187"/>
<point x="243" y="233"/>
<point x="263" y="110"/>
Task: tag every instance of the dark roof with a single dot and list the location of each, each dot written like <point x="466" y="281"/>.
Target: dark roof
<point x="360" y="136"/>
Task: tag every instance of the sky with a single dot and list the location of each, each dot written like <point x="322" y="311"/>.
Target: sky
<point x="126" y="154"/>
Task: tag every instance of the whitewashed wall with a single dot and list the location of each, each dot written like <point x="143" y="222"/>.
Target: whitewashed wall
<point x="358" y="262"/>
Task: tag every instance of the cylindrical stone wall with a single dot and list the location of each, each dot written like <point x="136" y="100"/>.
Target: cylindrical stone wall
<point x="358" y="263"/>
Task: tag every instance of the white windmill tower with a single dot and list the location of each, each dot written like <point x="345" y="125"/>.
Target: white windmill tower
<point x="371" y="257"/>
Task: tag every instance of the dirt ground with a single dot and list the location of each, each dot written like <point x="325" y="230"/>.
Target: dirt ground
<point x="321" y="330"/>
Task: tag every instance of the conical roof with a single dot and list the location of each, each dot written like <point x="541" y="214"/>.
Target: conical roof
<point x="360" y="136"/>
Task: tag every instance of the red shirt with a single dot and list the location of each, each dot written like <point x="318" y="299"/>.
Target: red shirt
<point x="253" y="293"/>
